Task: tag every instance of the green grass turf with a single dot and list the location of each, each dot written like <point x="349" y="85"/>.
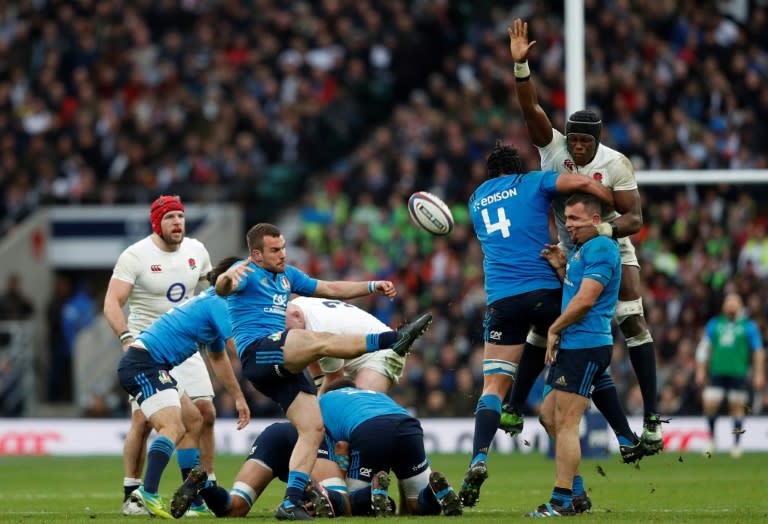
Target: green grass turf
<point x="668" y="487"/>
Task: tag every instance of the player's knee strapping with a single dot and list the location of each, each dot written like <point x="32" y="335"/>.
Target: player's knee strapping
<point x="630" y="308"/>
<point x="495" y="366"/>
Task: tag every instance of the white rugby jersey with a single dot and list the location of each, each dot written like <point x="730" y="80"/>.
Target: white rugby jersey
<point x="338" y="317"/>
<point x="161" y="279"/>
<point x="609" y="167"/>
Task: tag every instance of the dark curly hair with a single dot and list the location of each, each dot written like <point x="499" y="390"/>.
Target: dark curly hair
<point x="503" y="160"/>
<point x="220" y="268"/>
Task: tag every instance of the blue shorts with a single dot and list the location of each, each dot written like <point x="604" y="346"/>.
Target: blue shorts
<point x="142" y="376"/>
<point x="575" y="370"/>
<point x="508" y="320"/>
<point x="262" y="366"/>
<point x="728" y="383"/>
<point x="274" y="446"/>
<point x="387" y="442"/>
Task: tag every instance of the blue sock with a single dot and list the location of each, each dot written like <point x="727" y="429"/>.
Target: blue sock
<point x="606" y="400"/>
<point x="737" y="425"/>
<point x="360" y="501"/>
<point x="297" y="481"/>
<point x="578" y="485"/>
<point x="487" y="417"/>
<point x="157" y="459"/>
<point x="624" y="441"/>
<point x="218" y="499"/>
<point x="187" y="458"/>
<point x="562" y="497"/>
<point x="428" y="502"/>
<point x="377" y="341"/>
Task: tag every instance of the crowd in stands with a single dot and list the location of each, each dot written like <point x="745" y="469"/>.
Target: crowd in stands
<point x="369" y="101"/>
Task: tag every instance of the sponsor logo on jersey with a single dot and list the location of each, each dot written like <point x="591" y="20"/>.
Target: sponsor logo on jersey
<point x="192" y="263"/>
<point x="274" y="337"/>
<point x="493" y="198"/>
<point x="279" y="300"/>
<point x="164" y="377"/>
<point x="155" y="268"/>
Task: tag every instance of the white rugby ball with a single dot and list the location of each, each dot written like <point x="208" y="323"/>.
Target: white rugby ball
<point x="430" y="213"/>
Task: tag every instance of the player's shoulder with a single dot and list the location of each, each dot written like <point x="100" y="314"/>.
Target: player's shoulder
<point x="602" y="246"/>
<point x="139" y="246"/>
<point x="615" y="159"/>
<point x="193" y="244"/>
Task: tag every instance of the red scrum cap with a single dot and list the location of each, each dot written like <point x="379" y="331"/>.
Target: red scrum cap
<point x="162" y="205"/>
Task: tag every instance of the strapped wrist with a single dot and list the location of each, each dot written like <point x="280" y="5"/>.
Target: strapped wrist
<point x="125" y="336"/>
<point x="522" y="71"/>
<point x="371" y="286"/>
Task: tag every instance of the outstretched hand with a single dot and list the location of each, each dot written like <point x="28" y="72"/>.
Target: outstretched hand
<point x="386" y="288"/>
<point x="518" y="40"/>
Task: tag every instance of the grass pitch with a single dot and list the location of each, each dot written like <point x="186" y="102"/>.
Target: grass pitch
<point x="668" y="487"/>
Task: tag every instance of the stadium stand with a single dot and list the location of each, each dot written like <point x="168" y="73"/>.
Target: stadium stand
<point x="356" y="104"/>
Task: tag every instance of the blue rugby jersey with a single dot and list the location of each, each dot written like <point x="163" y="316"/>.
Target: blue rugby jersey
<point x="175" y="335"/>
<point x="598" y="259"/>
<point x="257" y="306"/>
<point x="346" y="408"/>
<point x="510" y="215"/>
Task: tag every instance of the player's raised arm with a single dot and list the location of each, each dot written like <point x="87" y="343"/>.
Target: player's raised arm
<point x="539" y="126"/>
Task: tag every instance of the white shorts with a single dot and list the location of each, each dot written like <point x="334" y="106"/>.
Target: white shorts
<point x="385" y="362"/>
<point x="161" y="399"/>
<point x="193" y="378"/>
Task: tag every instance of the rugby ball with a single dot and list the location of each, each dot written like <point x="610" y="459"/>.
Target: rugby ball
<point x="430" y="213"/>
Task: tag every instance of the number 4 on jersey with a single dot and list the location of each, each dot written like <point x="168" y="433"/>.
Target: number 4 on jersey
<point x="501" y="225"/>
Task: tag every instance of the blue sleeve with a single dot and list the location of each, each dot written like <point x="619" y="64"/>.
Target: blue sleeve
<point x="599" y="260"/>
<point x="709" y="329"/>
<point x="548" y="182"/>
<point x="223" y="325"/>
<point x="301" y="283"/>
<point x="753" y="335"/>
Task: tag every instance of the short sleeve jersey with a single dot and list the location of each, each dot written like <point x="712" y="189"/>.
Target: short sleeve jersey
<point x="346" y="408"/>
<point x="161" y="279"/>
<point x="257" y="306"/>
<point x="609" y="167"/>
<point x="510" y="216"/>
<point x="597" y="259"/>
<point x="176" y="335"/>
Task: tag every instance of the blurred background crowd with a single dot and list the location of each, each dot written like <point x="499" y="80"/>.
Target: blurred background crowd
<point x="327" y="114"/>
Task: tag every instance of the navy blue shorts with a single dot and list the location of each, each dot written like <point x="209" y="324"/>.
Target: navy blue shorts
<point x="262" y="366"/>
<point x="575" y="370"/>
<point x="387" y="442"/>
<point x="508" y="320"/>
<point x="728" y="383"/>
<point x="141" y="376"/>
<point x="274" y="446"/>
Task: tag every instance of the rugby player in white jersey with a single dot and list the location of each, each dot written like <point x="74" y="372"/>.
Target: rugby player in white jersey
<point x="152" y="276"/>
<point x="375" y="371"/>
<point x="580" y="151"/>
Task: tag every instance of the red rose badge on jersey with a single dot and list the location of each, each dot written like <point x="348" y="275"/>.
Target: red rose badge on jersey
<point x="192" y="263"/>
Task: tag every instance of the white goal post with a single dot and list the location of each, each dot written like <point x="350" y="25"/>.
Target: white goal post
<point x="702" y="177"/>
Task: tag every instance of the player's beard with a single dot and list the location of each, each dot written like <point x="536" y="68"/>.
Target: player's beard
<point x="173" y="239"/>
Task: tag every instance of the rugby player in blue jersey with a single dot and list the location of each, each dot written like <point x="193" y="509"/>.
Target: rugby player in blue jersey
<point x="143" y="373"/>
<point x="383" y="436"/>
<point x="273" y="359"/>
<point x="510" y="215"/>
<point x="579" y="341"/>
